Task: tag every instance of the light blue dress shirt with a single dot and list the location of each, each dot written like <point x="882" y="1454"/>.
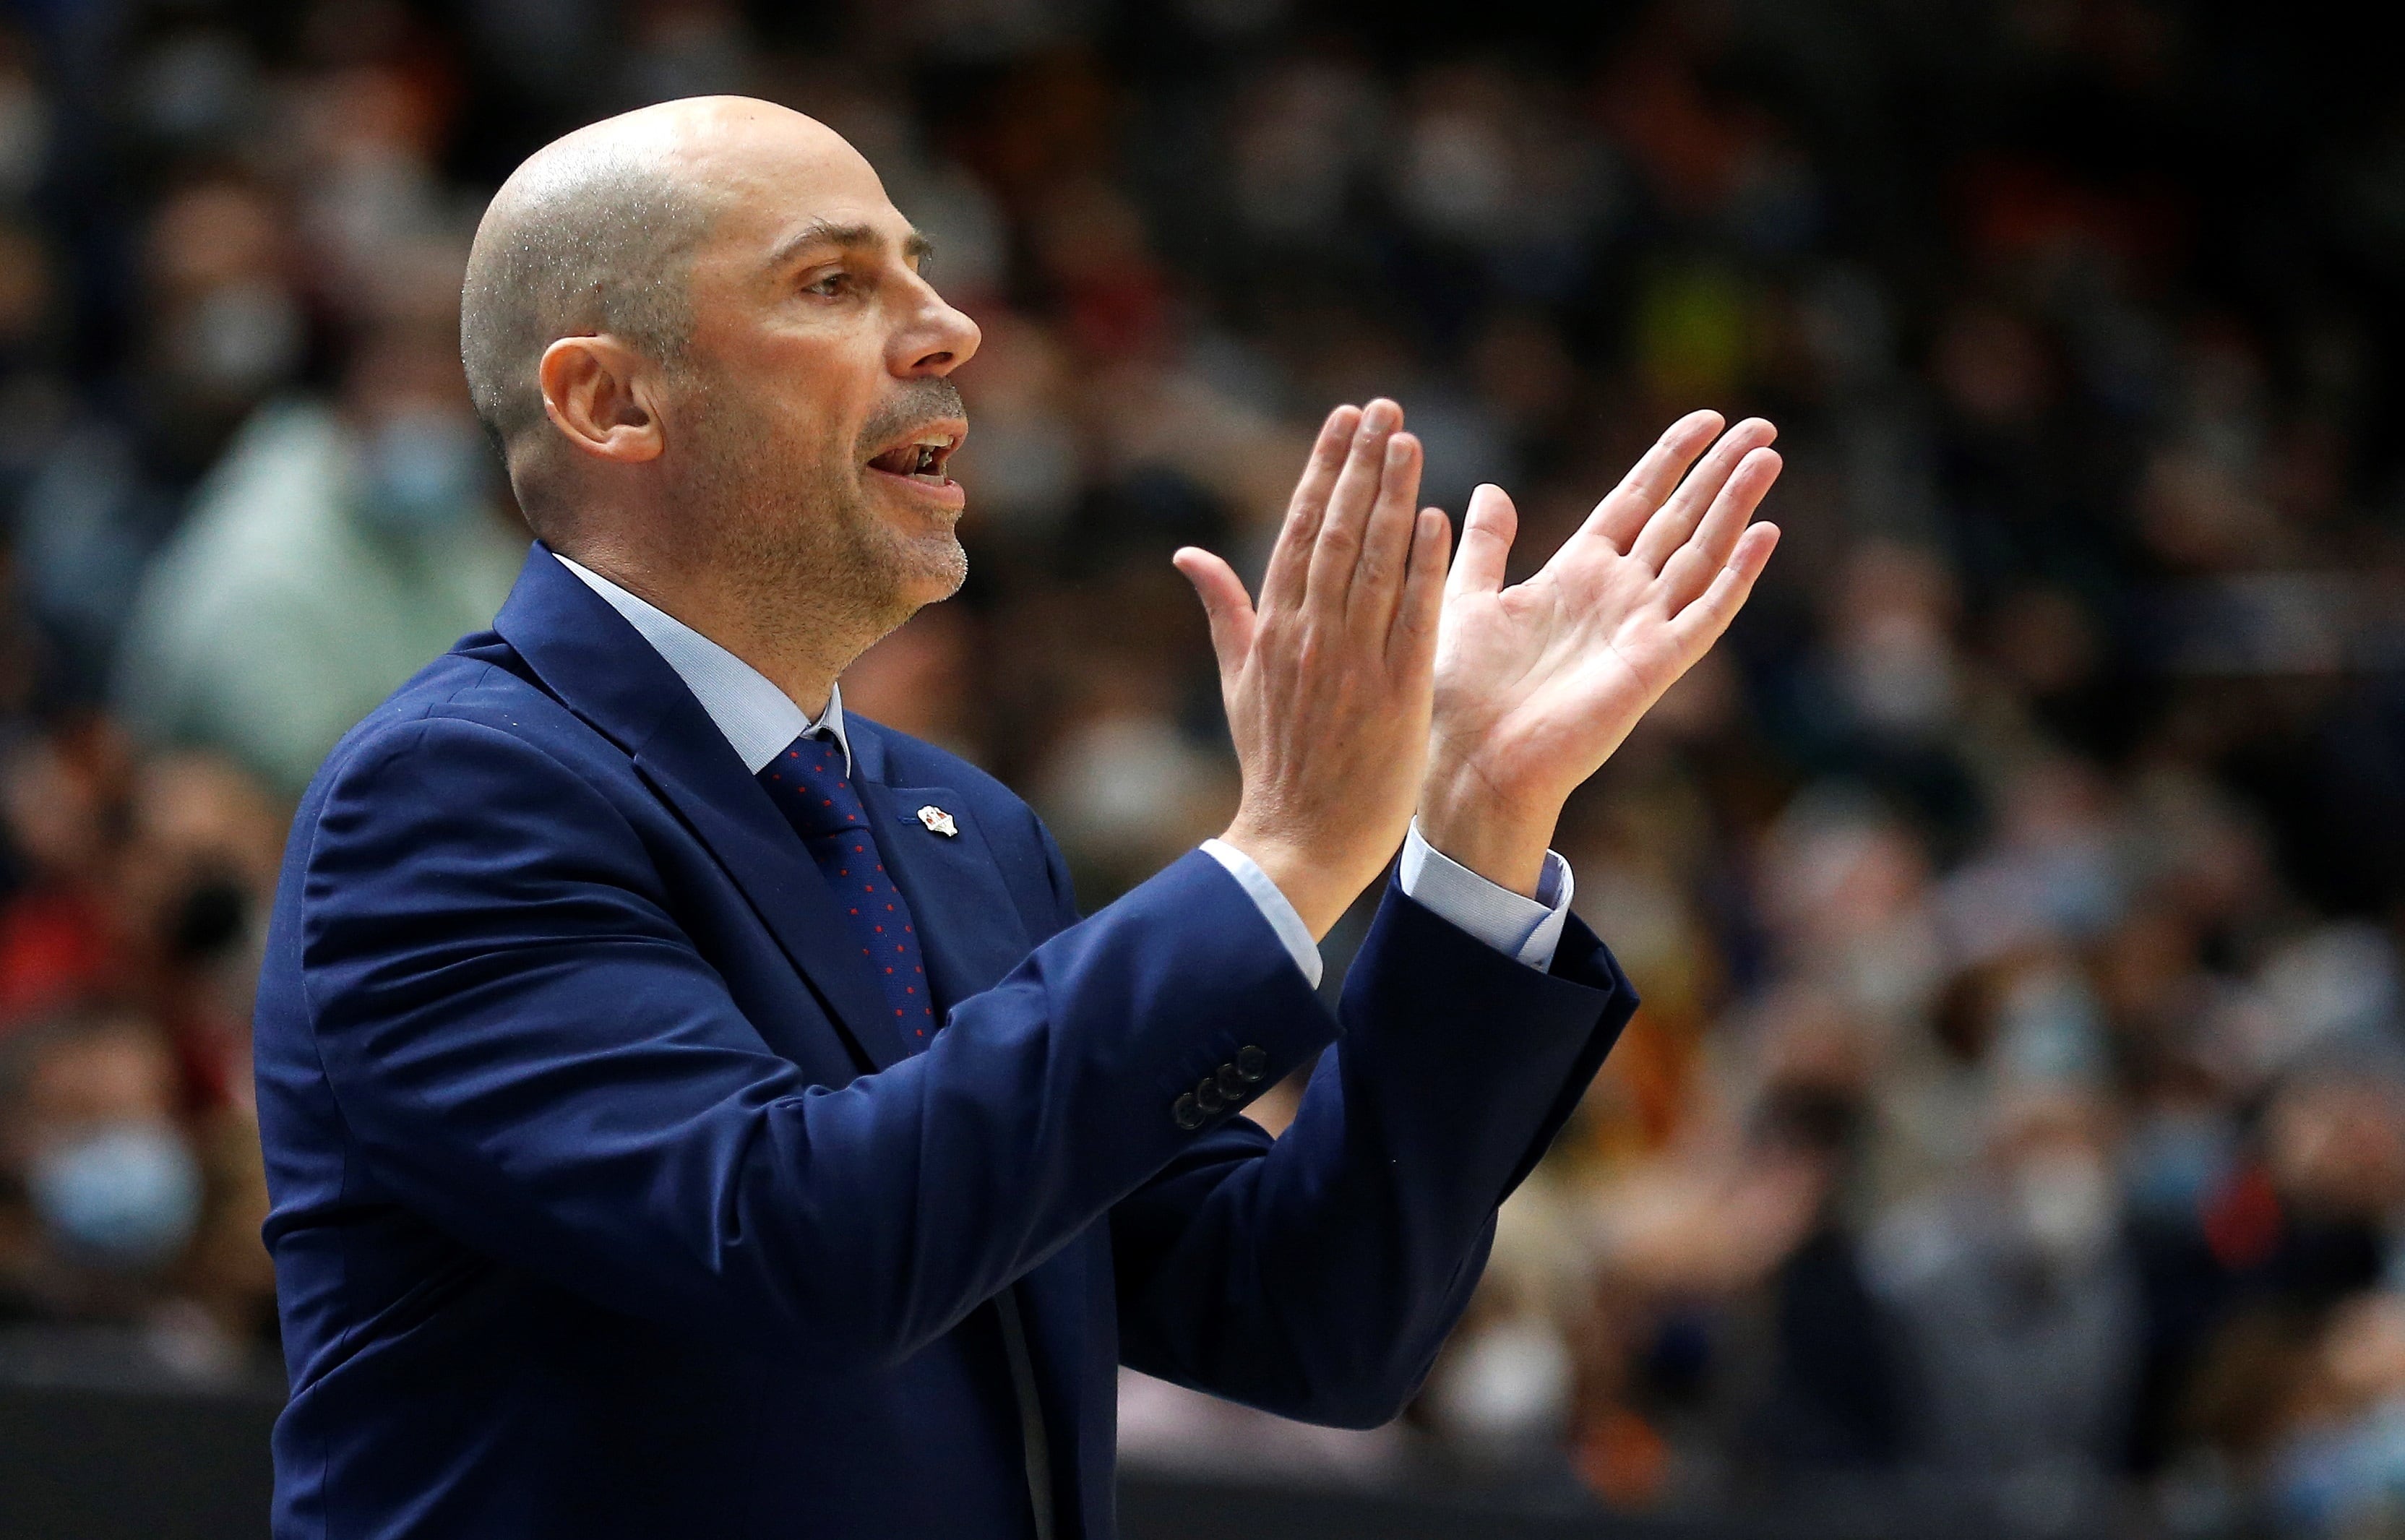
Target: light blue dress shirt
<point x="759" y="721"/>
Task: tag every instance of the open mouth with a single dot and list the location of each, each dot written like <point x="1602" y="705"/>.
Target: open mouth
<point x="921" y="458"/>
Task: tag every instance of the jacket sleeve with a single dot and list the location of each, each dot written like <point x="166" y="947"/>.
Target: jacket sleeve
<point x="527" y="1051"/>
<point x="1317" y="1275"/>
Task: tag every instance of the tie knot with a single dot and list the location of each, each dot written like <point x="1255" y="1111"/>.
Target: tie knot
<point x="811" y="785"/>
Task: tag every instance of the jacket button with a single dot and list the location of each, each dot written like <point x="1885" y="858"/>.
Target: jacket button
<point x="1252" y="1063"/>
<point x="1188" y="1113"/>
<point x="1231" y="1083"/>
<point x="1206" y="1095"/>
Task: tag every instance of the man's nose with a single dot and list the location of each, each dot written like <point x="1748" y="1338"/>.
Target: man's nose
<point x="940" y="340"/>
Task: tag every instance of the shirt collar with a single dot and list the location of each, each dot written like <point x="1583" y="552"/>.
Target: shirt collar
<point x="760" y="720"/>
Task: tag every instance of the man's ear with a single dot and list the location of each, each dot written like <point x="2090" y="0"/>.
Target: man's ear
<point x="601" y="395"/>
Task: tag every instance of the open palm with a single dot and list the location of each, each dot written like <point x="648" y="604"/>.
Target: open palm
<point x="1538" y="683"/>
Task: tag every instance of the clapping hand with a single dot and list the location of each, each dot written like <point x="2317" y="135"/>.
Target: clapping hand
<point x="1327" y="685"/>
<point x="1538" y="683"/>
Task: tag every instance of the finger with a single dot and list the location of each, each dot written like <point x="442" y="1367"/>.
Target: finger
<point x="1225" y="604"/>
<point x="1651" y="481"/>
<point x="1411" y="644"/>
<point x="1290" y="559"/>
<point x="1700" y="624"/>
<point x="1669" y="530"/>
<point x="1386" y="544"/>
<point x="1694" y="564"/>
<point x="1486" y="531"/>
<point x="1338" y="549"/>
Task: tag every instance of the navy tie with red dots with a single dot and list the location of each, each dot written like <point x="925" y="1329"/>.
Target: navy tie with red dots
<point x="813" y="787"/>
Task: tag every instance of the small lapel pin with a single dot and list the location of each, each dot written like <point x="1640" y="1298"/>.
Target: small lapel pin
<point x="939" y="821"/>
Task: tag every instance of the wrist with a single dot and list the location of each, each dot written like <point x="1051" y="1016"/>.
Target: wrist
<point x="1319" y="896"/>
<point x="1465" y="819"/>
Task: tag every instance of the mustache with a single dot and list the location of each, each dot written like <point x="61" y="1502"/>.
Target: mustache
<point x="916" y="403"/>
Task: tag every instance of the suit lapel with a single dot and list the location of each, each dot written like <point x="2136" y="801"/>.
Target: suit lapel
<point x="601" y="667"/>
<point x="733" y="817"/>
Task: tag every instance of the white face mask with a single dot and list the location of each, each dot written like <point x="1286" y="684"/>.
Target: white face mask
<point x="2067" y="1204"/>
<point x="240" y="339"/>
<point x="1507" y="1385"/>
<point x="125" y="1195"/>
<point x="1900" y="676"/>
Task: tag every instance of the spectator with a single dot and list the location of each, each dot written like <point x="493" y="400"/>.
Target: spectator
<point x="2019" y="1309"/>
<point x="222" y="330"/>
<point x="61" y="939"/>
<point x="96" y="1146"/>
<point x="334" y="551"/>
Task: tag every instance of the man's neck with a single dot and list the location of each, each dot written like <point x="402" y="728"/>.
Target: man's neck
<point x="800" y="662"/>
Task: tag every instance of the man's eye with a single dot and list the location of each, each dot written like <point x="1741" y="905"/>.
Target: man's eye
<point x="830" y="286"/>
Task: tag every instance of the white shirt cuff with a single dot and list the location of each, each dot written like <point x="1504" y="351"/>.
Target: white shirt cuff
<point x="1529" y="930"/>
<point x="1273" y="905"/>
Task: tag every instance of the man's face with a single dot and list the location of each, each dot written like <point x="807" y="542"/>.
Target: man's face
<point x="813" y="411"/>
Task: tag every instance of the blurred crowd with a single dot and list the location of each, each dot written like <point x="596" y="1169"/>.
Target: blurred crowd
<point x="2015" y="1124"/>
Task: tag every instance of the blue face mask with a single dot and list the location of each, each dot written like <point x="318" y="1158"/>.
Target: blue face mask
<point x="2172" y="1162"/>
<point x="427" y="472"/>
<point x="126" y="1196"/>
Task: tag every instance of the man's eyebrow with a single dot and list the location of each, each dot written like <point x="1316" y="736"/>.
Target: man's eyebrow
<point x="844" y="236"/>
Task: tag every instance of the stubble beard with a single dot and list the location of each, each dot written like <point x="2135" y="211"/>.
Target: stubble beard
<point x="791" y="527"/>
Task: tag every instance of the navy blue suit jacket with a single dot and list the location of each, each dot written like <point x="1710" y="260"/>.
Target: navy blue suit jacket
<point x="607" y="1201"/>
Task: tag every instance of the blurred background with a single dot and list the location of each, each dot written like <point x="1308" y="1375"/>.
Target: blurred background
<point x="2013" y="1136"/>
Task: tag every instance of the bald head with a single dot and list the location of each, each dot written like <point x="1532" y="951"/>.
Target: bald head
<point x="596" y="235"/>
<point x="591" y="234"/>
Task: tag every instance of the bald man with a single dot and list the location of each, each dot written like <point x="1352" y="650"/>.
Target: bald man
<point x="691" y="1110"/>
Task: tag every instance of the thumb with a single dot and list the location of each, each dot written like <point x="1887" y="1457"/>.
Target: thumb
<point x="1225" y="602"/>
<point x="1486" y="531"/>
